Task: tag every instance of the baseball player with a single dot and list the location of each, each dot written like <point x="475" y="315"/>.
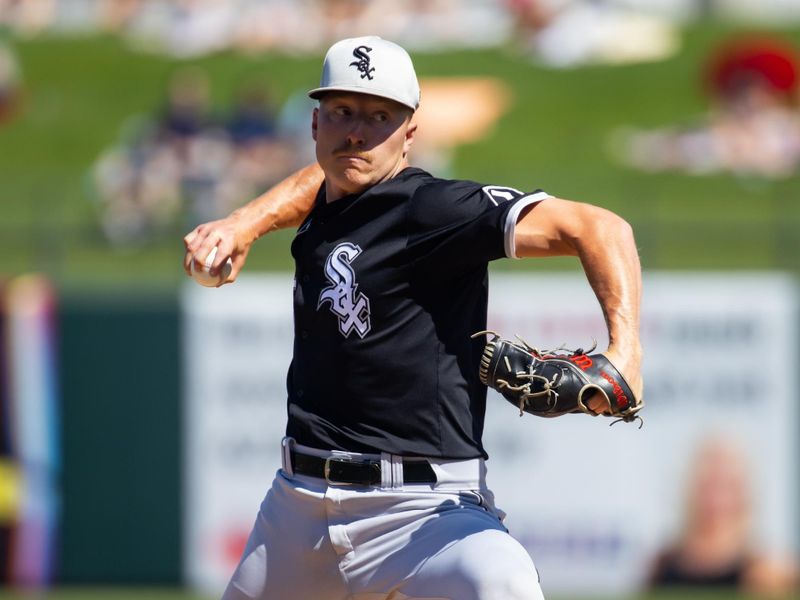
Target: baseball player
<point x="382" y="494"/>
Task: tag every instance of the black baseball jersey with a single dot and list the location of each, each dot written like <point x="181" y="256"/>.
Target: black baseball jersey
<point x="389" y="286"/>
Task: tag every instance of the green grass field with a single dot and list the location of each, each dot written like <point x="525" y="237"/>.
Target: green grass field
<point x="80" y="92"/>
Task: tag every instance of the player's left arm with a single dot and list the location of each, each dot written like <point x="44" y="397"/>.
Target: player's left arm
<point x="605" y="245"/>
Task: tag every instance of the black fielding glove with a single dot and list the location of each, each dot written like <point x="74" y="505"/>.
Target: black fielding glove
<point x="555" y="383"/>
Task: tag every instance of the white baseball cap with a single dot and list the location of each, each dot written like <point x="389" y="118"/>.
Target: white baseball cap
<point x="369" y="65"/>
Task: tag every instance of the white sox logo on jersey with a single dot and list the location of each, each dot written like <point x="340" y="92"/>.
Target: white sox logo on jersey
<point x="347" y="303"/>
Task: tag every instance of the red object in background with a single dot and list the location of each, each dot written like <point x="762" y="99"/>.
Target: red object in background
<point x="233" y="545"/>
<point x="770" y="61"/>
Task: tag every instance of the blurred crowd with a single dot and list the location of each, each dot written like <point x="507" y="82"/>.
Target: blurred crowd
<point x="560" y="32"/>
<point x="752" y="128"/>
<point x="185" y="28"/>
<point x="190" y="162"/>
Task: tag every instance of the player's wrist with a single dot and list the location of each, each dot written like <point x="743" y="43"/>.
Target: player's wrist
<point x="244" y="229"/>
<point x="631" y="350"/>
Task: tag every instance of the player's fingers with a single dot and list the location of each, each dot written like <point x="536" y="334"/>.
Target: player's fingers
<point x="224" y="251"/>
<point x="597" y="404"/>
<point x="237" y="263"/>
<point x="195" y="239"/>
<point x="189" y="237"/>
<point x="202" y="250"/>
<point x="187" y="262"/>
<point x="231" y="275"/>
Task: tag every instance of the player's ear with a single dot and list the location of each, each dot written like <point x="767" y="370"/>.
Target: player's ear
<point x="314" y="116"/>
<point x="410" y="133"/>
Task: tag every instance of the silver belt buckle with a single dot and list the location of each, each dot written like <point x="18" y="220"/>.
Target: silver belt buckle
<point x="327" y="470"/>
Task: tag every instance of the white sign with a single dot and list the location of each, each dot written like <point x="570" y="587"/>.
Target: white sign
<point x="592" y="504"/>
<point x="237" y="348"/>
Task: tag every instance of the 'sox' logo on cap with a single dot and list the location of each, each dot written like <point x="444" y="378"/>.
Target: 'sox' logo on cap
<point x="362" y="64"/>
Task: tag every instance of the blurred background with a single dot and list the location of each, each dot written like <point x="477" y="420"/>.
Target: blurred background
<point x="141" y="414"/>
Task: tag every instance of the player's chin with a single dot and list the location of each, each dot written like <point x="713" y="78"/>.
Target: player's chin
<point x="354" y="180"/>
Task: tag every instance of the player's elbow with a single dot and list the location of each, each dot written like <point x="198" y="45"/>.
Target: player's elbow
<point x="602" y="226"/>
<point x="620" y="227"/>
<point x="561" y="227"/>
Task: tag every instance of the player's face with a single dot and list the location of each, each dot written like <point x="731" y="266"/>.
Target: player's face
<point x="361" y="140"/>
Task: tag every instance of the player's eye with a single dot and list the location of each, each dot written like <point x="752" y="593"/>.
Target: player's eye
<point x="342" y="111"/>
<point x="380" y="117"/>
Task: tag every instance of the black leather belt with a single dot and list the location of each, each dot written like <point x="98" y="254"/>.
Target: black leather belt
<point x="339" y="470"/>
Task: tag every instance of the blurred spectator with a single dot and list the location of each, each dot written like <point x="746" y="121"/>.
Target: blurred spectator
<point x="560" y="32"/>
<point x="10" y="84"/>
<point x="192" y="140"/>
<point x="716" y="547"/>
<point x="294" y="123"/>
<point x="188" y="109"/>
<point x="189" y="28"/>
<point x="754" y="125"/>
<point x="428" y="25"/>
<point x="185" y="28"/>
<point x="253" y="117"/>
<point x="193" y="164"/>
<point x="116" y="16"/>
<point x="27" y="18"/>
<point x="570" y="33"/>
<point x="260" y="156"/>
<point x="188" y="162"/>
<point x="138" y="186"/>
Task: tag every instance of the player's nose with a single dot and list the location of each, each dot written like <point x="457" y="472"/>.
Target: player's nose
<point x="356" y="134"/>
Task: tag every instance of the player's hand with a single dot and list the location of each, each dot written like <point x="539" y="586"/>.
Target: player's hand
<point x="232" y="236"/>
<point x="627" y="363"/>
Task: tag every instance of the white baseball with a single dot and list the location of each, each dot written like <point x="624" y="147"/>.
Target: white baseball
<point x="201" y="275"/>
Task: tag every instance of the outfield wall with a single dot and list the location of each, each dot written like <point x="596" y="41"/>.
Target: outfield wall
<point x="121" y="482"/>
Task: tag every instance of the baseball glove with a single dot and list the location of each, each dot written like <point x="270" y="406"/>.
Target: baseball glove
<point x="556" y="382"/>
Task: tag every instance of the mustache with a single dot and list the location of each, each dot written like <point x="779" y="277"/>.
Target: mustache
<point x="349" y="150"/>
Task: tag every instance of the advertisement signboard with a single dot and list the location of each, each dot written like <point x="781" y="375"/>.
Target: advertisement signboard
<point x="593" y="504"/>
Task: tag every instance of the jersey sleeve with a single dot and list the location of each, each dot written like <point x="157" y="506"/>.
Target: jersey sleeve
<point x="464" y="223"/>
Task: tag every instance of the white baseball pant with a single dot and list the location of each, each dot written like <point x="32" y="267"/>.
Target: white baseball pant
<point x="442" y="541"/>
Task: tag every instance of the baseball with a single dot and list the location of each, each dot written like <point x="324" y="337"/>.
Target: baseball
<point x="201" y="275"/>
